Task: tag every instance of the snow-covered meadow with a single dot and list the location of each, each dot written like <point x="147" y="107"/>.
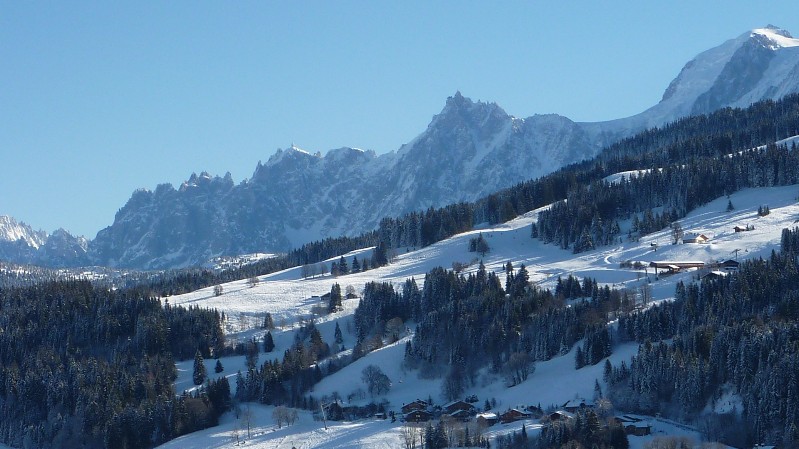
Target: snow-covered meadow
<point x="290" y="300"/>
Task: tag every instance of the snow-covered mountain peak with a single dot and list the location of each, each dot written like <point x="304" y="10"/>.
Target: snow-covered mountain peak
<point x="292" y="152"/>
<point x="348" y="152"/>
<point x="11" y="231"/>
<point x="776" y="37"/>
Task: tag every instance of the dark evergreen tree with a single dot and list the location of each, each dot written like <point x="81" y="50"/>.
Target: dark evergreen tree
<point x="269" y="343"/>
<point x="199" y="374"/>
<point x="337" y="336"/>
<point x="268" y="322"/>
<point x="218" y="368"/>
<point x="335" y="298"/>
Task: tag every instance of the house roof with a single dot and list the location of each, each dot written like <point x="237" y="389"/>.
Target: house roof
<point x="516" y="410"/>
<point x="638" y="424"/>
<point x="576" y="402"/>
<point x="454" y="403"/>
<point x="677" y="263"/>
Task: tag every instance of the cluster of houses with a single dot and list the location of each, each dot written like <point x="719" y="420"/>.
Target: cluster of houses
<point x="420" y="411"/>
<point x="717" y="269"/>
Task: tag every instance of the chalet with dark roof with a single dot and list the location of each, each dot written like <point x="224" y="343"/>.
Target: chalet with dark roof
<point x="730" y="265"/>
<point x="574" y="405"/>
<point x="514" y="414"/>
<point x="414" y="406"/>
<point x="456" y="406"/>
<point x="488" y="419"/>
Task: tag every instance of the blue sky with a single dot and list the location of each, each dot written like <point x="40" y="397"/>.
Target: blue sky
<point x="101" y="98"/>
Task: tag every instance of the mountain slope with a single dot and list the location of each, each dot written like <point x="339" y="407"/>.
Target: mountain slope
<point x="758" y="65"/>
<point x="287" y="296"/>
<point x="21" y="244"/>
<point x="469" y="150"/>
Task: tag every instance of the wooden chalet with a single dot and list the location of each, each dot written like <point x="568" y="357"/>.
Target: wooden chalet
<point x="639" y="429"/>
<point x="714" y="275"/>
<point x="488" y="419"/>
<point x="514" y="415"/>
<point x="730" y="265"/>
<point x="574" y="405"/>
<point x="461" y="415"/>
<point x="414" y="406"/>
<point x="695" y="238"/>
<point x="560" y="415"/>
<point x="418" y="416"/>
<point x="634" y="426"/>
<point x="456" y="406"/>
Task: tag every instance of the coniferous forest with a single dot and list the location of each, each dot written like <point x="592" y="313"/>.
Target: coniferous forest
<point x="739" y="333"/>
<point x="89" y="367"/>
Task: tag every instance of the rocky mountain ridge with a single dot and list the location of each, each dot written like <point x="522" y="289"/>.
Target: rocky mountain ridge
<point x="468" y="150"/>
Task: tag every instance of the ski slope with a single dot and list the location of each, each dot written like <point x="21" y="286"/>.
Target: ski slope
<point x="288" y="297"/>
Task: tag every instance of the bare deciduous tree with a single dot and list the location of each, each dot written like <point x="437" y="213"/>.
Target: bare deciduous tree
<point x="409" y="433"/>
<point x="376" y="380"/>
<point x="284" y="415"/>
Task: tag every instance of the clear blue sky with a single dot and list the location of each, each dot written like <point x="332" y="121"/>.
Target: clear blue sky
<point x="100" y="98"/>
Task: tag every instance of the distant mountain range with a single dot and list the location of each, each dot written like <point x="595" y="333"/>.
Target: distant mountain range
<point x="468" y="150"/>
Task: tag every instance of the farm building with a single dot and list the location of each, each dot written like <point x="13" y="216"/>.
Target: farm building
<point x="487" y="418"/>
<point x="695" y="238"/>
<point x="514" y="415"/>
<point x="675" y="266"/>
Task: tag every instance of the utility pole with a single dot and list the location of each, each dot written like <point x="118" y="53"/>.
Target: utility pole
<point x="324" y="415"/>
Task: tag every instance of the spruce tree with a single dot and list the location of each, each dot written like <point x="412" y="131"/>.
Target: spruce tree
<point x="269" y="343"/>
<point x="218" y="368"/>
<point x="339" y="339"/>
<point x="269" y="323"/>
<point x="335" y="298"/>
<point x="199" y="373"/>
